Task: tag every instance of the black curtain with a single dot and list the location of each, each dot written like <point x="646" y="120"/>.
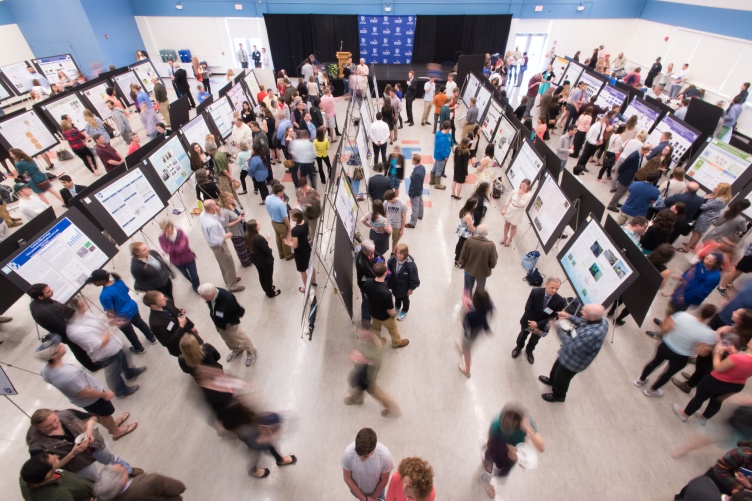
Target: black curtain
<point x="439" y="39"/>
<point x="293" y="37"/>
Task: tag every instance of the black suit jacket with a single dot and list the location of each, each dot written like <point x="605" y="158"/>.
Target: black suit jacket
<point x="534" y="308"/>
<point x="226" y="311"/>
<point x="181" y="81"/>
<point x="412" y="89"/>
<point x="378" y="184"/>
<point x="692" y="201"/>
<point x="67" y="195"/>
<point x="165" y="327"/>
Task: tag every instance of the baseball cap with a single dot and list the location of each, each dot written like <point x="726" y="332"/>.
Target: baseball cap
<point x="48" y="348"/>
<point x="19" y="186"/>
<point x="98" y="276"/>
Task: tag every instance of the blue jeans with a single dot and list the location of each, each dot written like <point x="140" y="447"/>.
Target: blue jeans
<point x="438" y="167"/>
<point x="563" y="163"/>
<point x="470" y="283"/>
<point x="189" y="271"/>
<point x="103" y="456"/>
<point x="114" y="368"/>
<point x="365" y="313"/>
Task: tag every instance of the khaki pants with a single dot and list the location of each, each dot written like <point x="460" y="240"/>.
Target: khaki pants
<point x="376" y="392"/>
<point x="391" y="326"/>
<point x="622" y="218"/>
<point x="467" y="129"/>
<point x="225" y="185"/>
<point x="395" y="237"/>
<point x="226" y="265"/>
<point x="235" y="338"/>
<point x="427" y="106"/>
<point x="164" y="110"/>
<point x="280" y="231"/>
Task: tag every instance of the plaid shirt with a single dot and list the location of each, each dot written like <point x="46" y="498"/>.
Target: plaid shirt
<point x="75" y="138"/>
<point x="578" y="353"/>
<point x="726" y="467"/>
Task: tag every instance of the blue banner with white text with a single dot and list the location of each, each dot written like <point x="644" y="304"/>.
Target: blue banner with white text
<point x="386" y="39"/>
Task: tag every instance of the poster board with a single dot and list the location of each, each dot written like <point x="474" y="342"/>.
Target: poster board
<point x="526" y="165"/>
<point x="347" y="207"/>
<point x="595" y="266"/>
<point x="138" y="156"/>
<point x="265" y="77"/>
<point x="610" y="96"/>
<point x="571" y="74"/>
<point x="63" y="256"/>
<point x="97" y="97"/>
<point x="594" y="82"/>
<point x="26" y="130"/>
<point x="145" y="71"/>
<point x="647" y="114"/>
<point x="126" y="204"/>
<point x="17" y="76"/>
<point x="237" y="96"/>
<point x="343" y="266"/>
<point x="483" y="100"/>
<point x="171" y="163"/>
<point x="719" y="163"/>
<point x="253" y="85"/>
<point x="470" y="89"/>
<point x="365" y="119"/>
<point x="195" y="131"/>
<point x="559" y="65"/>
<point x="64" y="104"/>
<point x="49" y="67"/>
<point x="123" y="83"/>
<point x="491" y="122"/>
<point x="222" y="115"/>
<point x="5" y="90"/>
<point x="363" y="151"/>
<point x="549" y="212"/>
<point x="586" y="202"/>
<point x="683" y="136"/>
<point x="504" y="139"/>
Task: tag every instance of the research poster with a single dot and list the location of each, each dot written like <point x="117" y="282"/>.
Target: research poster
<point x="347" y="207"/>
<point x="237" y="96"/>
<point x="19" y="77"/>
<point x="172" y="164"/>
<point x="646" y="114"/>
<point x="63" y="258"/>
<point x="131" y="201"/>
<point x="253" y="85"/>
<point x="124" y="82"/>
<point x="491" y="120"/>
<point x="504" y="137"/>
<point x="682" y="137"/>
<point x="69" y="105"/>
<point x="594" y="266"/>
<point x="196" y="131"/>
<point x="594" y="83"/>
<point x="610" y="96"/>
<point x="145" y="72"/>
<point x="470" y="89"/>
<point x="362" y="142"/>
<point x="484" y="97"/>
<point x="559" y="65"/>
<point x="527" y="165"/>
<point x="365" y="118"/>
<point x="27" y="132"/>
<point x="718" y="163"/>
<point x="4" y="94"/>
<point x="222" y="114"/>
<point x="50" y="66"/>
<point x="98" y="97"/>
<point x="572" y="74"/>
<point x="549" y="212"/>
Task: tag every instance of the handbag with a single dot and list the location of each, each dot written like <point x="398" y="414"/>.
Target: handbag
<point x="109" y="129"/>
<point x="236" y="184"/>
<point x="63" y="154"/>
<point x="530" y="260"/>
<point x="289" y="164"/>
<point x="358" y="174"/>
<point x="44" y="185"/>
<point x="314" y="210"/>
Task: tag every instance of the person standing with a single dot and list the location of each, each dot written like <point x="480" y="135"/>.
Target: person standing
<point x="215" y="236"/>
<point x="396" y="213"/>
<point x="29" y="204"/>
<point x="168" y="323"/>
<point x="476" y="319"/>
<point x="241" y="55"/>
<point x="262" y="257"/>
<point x="678" y="80"/>
<point x="413" y="480"/>
<point x="300" y="242"/>
<point x="565" y="148"/>
<point x="378" y="184"/>
<point x="366" y="359"/>
<point x="579" y="349"/>
<point x="163" y="102"/>
<point x="641" y="196"/>
<point x="442" y="148"/>
<point x="653" y="72"/>
<point x="121" y="122"/>
<point x="380" y="227"/>
<point x="465" y="228"/>
<point x="532" y="92"/>
<point x="542" y="305"/>
<point x="149" y="270"/>
<point x="514" y="210"/>
<point x="379" y="135"/>
<point x="181" y="82"/>
<point x="626" y="174"/>
<point x="462" y="158"/>
<point x="439" y="101"/>
<point x="429" y="90"/>
<point x="222" y="171"/>
<point x="175" y="243"/>
<point x="595" y="137"/>
<point x="256" y="56"/>
<point x="410" y="90"/>
<point x="366" y="466"/>
<point x="107" y="154"/>
<point x="277" y="210"/>
<point x="233" y="222"/>
<point x="77" y="142"/>
<point x="415" y="191"/>
<point x="37" y="180"/>
<point x="381" y="306"/>
<point x="226" y="312"/>
<point x="479" y="257"/>
<point x="365" y="259"/>
<point x="403" y="279"/>
<point x="471" y="118"/>
<point x="266" y="59"/>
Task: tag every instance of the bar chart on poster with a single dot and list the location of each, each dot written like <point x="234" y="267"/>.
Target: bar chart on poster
<point x="719" y="163"/>
<point x="26" y="131"/>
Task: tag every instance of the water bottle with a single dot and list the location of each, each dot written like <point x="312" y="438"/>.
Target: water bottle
<point x="200" y="205"/>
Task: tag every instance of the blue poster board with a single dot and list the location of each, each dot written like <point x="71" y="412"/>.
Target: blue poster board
<point x="387" y="39"/>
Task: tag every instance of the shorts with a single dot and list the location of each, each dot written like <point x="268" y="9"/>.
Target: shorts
<point x="101" y="408"/>
<point x="744" y="265"/>
<point x="331" y="123"/>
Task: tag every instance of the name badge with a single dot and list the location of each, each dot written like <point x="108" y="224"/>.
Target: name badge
<point x="170" y="326"/>
<point x="219" y="314"/>
<point x="548" y="311"/>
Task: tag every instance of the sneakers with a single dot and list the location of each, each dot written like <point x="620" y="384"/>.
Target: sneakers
<point x="639" y="382"/>
<point x="678" y="411"/>
<point x="650" y="393"/>
<point x="237" y="288"/>
<point x="131" y="390"/>
<point x="136" y="372"/>
<point x="401" y="315"/>
<point x="153" y="341"/>
<point x="138" y="351"/>
<point x="722" y="292"/>
<point x="654" y="335"/>
<point x="233" y="355"/>
<point x="682" y="385"/>
<point x="401" y="344"/>
<point x="701" y="420"/>
<point x="250" y="358"/>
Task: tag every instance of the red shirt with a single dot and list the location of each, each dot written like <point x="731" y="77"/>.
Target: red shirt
<point x="739" y="373"/>
<point x="261" y="96"/>
<point x="106" y="153"/>
<point x="75" y="138"/>
<point x="133" y="147"/>
<point x="532" y="90"/>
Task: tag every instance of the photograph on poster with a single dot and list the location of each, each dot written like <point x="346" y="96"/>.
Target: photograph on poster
<point x="63" y="257"/>
<point x="123" y="82"/>
<point x="526" y="165"/>
<point x="572" y="74"/>
<point x="18" y="76"/>
<point x="69" y="105"/>
<point x="646" y="113"/>
<point x="682" y="136"/>
<point x="594" y="83"/>
<point x="98" y="97"/>
<point x="145" y="71"/>
<point x="594" y="266"/>
<point x="549" y="212"/>
<point x="488" y="127"/>
<point x="483" y="98"/>
<point x="131" y="201"/>
<point x="610" y="96"/>
<point x="237" y="96"/>
<point x="49" y="66"/>
<point x="172" y="164"/>
<point x="222" y="114"/>
<point x="504" y="139"/>
<point x="471" y="88"/>
<point x="718" y="163"/>
<point x="559" y="65"/>
<point x="253" y="85"/>
<point x="347" y="207"/>
<point x="27" y="132"/>
<point x="196" y="131"/>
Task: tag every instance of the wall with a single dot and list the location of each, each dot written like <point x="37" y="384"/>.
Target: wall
<point x="14" y="45"/>
<point x="731" y="22"/>
<point x="114" y="18"/>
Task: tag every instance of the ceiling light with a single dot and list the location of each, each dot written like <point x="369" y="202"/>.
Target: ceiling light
<point x="178" y="6"/>
<point x="580" y="7"/>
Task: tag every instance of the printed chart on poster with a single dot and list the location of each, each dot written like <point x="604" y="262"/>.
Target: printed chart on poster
<point x="549" y="212"/>
<point x="18" y="76"/>
<point x="69" y="105"/>
<point x="719" y="163"/>
<point x="347" y="207"/>
<point x="646" y="113"/>
<point x="682" y="136"/>
<point x="145" y="71"/>
<point x="172" y="164"/>
<point x="527" y="165"/>
<point x="26" y="131"/>
<point x="559" y="65"/>
<point x="362" y="142"/>
<point x="4" y="94"/>
<point x="124" y="82"/>
<point x="222" y="114"/>
<point x="131" y="201"/>
<point x="237" y="96"/>
<point x="504" y="137"/>
<point x="491" y="120"/>
<point x="50" y="66"/>
<point x="572" y="74"/>
<point x="484" y="97"/>
<point x="365" y="118"/>
<point x="195" y="131"/>
<point x="595" y="266"/>
<point x="253" y="85"/>
<point x="98" y="97"/>
<point x="594" y="83"/>
<point x="471" y="88"/>
<point x="63" y="258"/>
<point x="610" y="96"/>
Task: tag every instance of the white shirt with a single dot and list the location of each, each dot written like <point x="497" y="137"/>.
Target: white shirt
<point x="596" y="132"/>
<point x="211" y="227"/>
<point x="242" y="133"/>
<point x="242" y="56"/>
<point x="430" y="90"/>
<point x="450" y="86"/>
<point x="680" y="77"/>
<point x="620" y="62"/>
<point x="31" y="207"/>
<point x="307" y="71"/>
<point x="266" y="60"/>
<point x="362" y="69"/>
<point x="87" y="330"/>
<point x="379" y="132"/>
<point x="367" y="473"/>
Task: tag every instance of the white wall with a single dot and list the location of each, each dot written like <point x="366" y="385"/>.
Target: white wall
<point x="15" y="48"/>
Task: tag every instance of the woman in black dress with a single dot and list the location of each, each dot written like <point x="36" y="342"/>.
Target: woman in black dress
<point x="387" y="115"/>
<point x="482" y="193"/>
<point x="461" y="161"/>
<point x="301" y="248"/>
<point x="261" y="257"/>
<point x="248" y="115"/>
<point x="193" y="353"/>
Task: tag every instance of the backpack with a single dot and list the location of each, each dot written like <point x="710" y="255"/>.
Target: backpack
<point x="534" y="278"/>
<point x="498" y="189"/>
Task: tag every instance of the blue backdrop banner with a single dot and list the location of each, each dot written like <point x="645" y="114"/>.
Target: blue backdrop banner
<point x="386" y="39"/>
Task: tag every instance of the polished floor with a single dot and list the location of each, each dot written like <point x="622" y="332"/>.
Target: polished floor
<point x="608" y="441"/>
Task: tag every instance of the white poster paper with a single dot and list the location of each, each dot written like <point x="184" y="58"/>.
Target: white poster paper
<point x="719" y="163"/>
<point x="363" y="151"/>
<point x="145" y="72"/>
<point x="69" y="105"/>
<point x="594" y="84"/>
<point x="347" y="207"/>
<point x="131" y="201"/>
<point x="237" y="95"/>
<point x="98" y="98"/>
<point x="470" y="89"/>
<point x="559" y="65"/>
<point x="196" y="131"/>
<point x="172" y="163"/>
<point x="504" y="138"/>
<point x="610" y="96"/>
<point x="51" y="65"/>
<point x="27" y="132"/>
<point x="572" y="74"/>
<point x="124" y="82"/>
<point x="365" y="119"/>
<point x="253" y="85"/>
<point x="18" y="75"/>
<point x="223" y="115"/>
<point x="646" y="115"/>
<point x="491" y="120"/>
<point x="4" y="94"/>
<point x="682" y="137"/>
<point x="483" y="98"/>
<point x="526" y="165"/>
<point x="548" y="210"/>
<point x="63" y="258"/>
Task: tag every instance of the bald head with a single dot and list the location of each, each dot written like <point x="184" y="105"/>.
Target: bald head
<point x="210" y="206"/>
<point x="593" y="312"/>
<point x="481" y="230"/>
<point x="692" y="187"/>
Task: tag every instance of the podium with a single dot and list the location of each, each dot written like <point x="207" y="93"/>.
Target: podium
<point x="342" y="58"/>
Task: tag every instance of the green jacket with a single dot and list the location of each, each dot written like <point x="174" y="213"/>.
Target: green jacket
<point x="67" y="487"/>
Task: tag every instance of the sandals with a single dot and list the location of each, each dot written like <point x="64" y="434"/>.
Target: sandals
<point x="314" y="284"/>
<point x="277" y="292"/>
<point x="292" y="462"/>
<point x="131" y="427"/>
<point x="302" y="289"/>
<point x="681" y="249"/>
<point x="123" y="418"/>
<point x="264" y="475"/>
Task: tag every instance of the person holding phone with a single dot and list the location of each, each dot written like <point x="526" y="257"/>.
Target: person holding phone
<point x="731" y="474"/>
<point x="541" y="306"/>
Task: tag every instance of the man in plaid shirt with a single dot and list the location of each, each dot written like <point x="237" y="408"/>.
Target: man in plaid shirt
<point x="578" y="350"/>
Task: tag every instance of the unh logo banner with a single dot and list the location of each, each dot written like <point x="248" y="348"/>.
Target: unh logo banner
<point x="386" y="39"/>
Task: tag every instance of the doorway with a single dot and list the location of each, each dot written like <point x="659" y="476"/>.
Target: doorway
<point x="533" y="44"/>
